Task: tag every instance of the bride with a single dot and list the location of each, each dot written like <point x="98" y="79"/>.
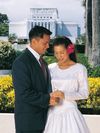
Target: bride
<point x="69" y="77"/>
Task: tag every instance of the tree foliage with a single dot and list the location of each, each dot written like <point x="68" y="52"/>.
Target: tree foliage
<point x="4" y="25"/>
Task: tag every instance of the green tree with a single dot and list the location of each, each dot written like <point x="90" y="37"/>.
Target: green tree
<point x="4" y="25"/>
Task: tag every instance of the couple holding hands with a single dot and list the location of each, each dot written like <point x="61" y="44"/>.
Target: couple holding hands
<point x="45" y="96"/>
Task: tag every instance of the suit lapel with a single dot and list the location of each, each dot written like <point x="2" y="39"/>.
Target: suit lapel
<point x="37" y="66"/>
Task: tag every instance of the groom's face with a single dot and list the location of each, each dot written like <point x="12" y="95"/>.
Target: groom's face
<point x="40" y="45"/>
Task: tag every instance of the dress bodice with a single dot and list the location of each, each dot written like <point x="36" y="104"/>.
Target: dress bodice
<point x="72" y="81"/>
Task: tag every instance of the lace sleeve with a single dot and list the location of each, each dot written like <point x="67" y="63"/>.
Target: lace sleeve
<point x="82" y="92"/>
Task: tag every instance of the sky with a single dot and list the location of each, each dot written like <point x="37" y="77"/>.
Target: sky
<point x="69" y="10"/>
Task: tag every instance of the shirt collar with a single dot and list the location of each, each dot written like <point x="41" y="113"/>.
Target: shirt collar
<point x="37" y="56"/>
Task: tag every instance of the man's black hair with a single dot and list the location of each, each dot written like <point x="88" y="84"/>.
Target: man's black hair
<point x="38" y="31"/>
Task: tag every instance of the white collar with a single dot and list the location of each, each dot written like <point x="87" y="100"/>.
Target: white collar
<point x="37" y="56"/>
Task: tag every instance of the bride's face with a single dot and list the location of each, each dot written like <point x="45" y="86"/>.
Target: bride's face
<point x="61" y="54"/>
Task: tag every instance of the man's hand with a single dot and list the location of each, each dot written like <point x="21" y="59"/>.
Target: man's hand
<point x="58" y="94"/>
<point x="55" y="97"/>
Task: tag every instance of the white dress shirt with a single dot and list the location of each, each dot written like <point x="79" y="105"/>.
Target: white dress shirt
<point x="37" y="56"/>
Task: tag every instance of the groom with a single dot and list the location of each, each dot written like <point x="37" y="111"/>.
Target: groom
<point x="32" y="85"/>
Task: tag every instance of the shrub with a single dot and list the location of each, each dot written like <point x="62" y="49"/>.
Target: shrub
<point x="81" y="58"/>
<point x="7" y="55"/>
<point x="94" y="95"/>
<point x="94" y="72"/>
<point x="6" y="93"/>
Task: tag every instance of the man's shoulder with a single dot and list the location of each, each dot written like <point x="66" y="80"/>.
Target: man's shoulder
<point x="23" y="57"/>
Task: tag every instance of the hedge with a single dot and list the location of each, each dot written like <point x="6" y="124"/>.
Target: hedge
<point x="7" y="55"/>
<point x="7" y="95"/>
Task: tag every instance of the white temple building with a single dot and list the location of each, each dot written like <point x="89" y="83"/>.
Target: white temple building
<point x="47" y="17"/>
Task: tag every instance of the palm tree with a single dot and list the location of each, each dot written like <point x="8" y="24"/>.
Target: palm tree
<point x="96" y="33"/>
<point x="88" y="50"/>
<point x="92" y="19"/>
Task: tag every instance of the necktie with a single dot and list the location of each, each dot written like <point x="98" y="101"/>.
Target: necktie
<point x="43" y="67"/>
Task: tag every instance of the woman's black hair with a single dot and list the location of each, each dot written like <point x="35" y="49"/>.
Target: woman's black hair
<point x="64" y="41"/>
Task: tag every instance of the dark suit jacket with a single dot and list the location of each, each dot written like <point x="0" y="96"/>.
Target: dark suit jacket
<point x="31" y="93"/>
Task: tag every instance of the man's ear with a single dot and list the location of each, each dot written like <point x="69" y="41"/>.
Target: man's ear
<point x="33" y="41"/>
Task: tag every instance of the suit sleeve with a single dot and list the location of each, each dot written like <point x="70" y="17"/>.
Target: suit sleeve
<point x="22" y="84"/>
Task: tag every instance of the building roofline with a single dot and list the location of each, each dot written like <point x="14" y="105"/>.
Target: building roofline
<point x="43" y="8"/>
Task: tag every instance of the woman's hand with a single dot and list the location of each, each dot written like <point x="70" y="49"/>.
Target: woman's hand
<point x="58" y="94"/>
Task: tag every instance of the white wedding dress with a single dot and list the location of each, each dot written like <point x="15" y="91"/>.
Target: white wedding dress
<point x="65" y="117"/>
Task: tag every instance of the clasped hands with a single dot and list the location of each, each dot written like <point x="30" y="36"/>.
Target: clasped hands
<point x="55" y="97"/>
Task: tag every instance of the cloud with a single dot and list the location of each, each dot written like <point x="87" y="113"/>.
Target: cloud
<point x="6" y="2"/>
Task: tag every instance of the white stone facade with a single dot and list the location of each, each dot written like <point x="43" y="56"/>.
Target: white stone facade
<point x="19" y="28"/>
<point x="47" y="17"/>
<point x="3" y="38"/>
